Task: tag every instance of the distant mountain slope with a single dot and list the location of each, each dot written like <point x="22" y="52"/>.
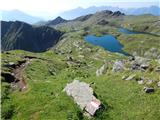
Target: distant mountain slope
<point x="105" y="17"/>
<point x="20" y="16"/>
<point x="56" y="21"/>
<point x="19" y="35"/>
<point x="71" y="14"/>
<point x="154" y="10"/>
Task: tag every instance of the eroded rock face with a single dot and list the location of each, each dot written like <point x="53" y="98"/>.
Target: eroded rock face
<point x="82" y="94"/>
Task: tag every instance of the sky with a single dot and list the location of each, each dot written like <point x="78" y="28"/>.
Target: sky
<point x="45" y="8"/>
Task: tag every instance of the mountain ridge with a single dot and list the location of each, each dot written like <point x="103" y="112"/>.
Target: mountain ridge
<point x="20" y="35"/>
<point x="71" y="14"/>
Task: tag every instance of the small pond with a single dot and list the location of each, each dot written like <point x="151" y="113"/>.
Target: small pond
<point x="126" y="31"/>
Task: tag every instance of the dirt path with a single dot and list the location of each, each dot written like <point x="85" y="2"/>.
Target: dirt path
<point x="16" y="78"/>
<point x="18" y="73"/>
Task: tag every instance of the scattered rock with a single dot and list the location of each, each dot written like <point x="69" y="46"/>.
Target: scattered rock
<point x="152" y="53"/>
<point x="102" y="70"/>
<point x="69" y="58"/>
<point x="158" y="84"/>
<point x="157" y="69"/>
<point x="158" y="61"/>
<point x="149" y="82"/>
<point x="134" y="54"/>
<point x="103" y="22"/>
<point x="144" y="66"/>
<point x="140" y="63"/>
<point x="131" y="58"/>
<point x="118" y="66"/>
<point x="131" y="77"/>
<point x="141" y="60"/>
<point x="124" y="77"/>
<point x="140" y="82"/>
<point x="82" y="94"/>
<point x="148" y="90"/>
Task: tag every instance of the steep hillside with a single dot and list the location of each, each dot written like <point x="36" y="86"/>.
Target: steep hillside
<point x="19" y="35"/>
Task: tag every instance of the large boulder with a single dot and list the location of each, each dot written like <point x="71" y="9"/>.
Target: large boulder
<point x="82" y="94"/>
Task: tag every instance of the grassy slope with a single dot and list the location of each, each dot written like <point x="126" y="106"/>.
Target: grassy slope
<point x="45" y="100"/>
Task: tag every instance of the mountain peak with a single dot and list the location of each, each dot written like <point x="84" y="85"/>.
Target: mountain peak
<point x="56" y="21"/>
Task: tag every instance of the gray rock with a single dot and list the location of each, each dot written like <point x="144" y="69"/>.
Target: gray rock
<point x="82" y="94"/>
<point x="118" y="66"/>
<point x="140" y="82"/>
<point x="141" y="60"/>
<point x="158" y="84"/>
<point x="159" y="61"/>
<point x="11" y="63"/>
<point x="152" y="53"/>
<point x="149" y="82"/>
<point x="124" y="77"/>
<point x="148" y="90"/>
<point x="134" y="54"/>
<point x="144" y="66"/>
<point x="102" y="70"/>
<point x="157" y="69"/>
<point x="140" y="63"/>
<point x="131" y="77"/>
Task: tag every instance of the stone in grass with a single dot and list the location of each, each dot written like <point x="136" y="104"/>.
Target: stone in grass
<point x="131" y="77"/>
<point x="82" y="94"/>
<point x="124" y="77"/>
<point x="102" y="70"/>
<point x="157" y="69"/>
<point x="158" y="84"/>
<point x="141" y="81"/>
<point x="148" y="90"/>
<point x="149" y="82"/>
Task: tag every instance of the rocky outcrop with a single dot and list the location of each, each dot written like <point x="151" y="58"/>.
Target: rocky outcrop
<point x="140" y="63"/>
<point x="152" y="53"/>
